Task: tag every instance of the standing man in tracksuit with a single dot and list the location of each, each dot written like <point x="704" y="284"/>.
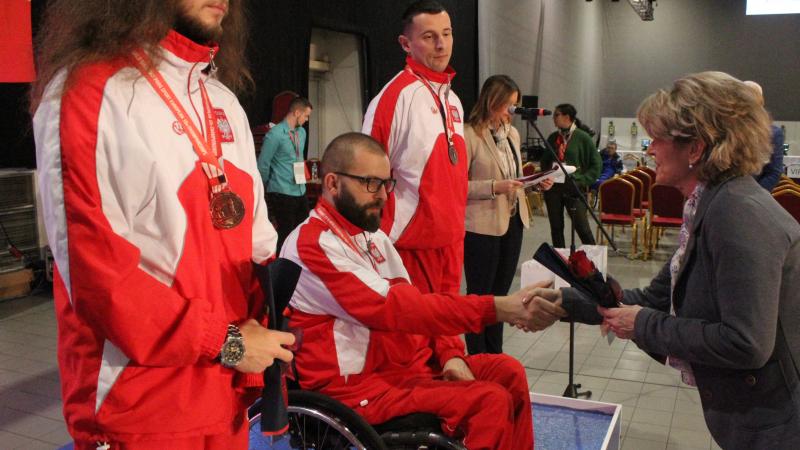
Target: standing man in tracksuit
<point x="155" y="215"/>
<point x="418" y="120"/>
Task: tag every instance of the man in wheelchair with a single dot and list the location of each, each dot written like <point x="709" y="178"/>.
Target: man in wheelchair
<point x="372" y="341"/>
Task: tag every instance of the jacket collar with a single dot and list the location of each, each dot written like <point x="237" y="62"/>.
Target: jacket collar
<point x="431" y="75"/>
<point x="491" y="144"/>
<point x="351" y="229"/>
<point x="186" y="49"/>
<point x="709" y="193"/>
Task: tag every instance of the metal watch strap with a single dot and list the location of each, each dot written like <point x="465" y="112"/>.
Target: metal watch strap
<point x="233" y="337"/>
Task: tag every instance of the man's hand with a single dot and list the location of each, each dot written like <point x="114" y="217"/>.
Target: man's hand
<point x="262" y="346"/>
<point x="532" y="308"/>
<point x="506" y="186"/>
<point x="456" y="369"/>
<point x="620" y="320"/>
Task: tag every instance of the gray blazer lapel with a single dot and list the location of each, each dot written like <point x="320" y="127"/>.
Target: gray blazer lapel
<point x="705" y="201"/>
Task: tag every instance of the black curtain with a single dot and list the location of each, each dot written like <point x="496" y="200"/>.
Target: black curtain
<point x="280" y="34"/>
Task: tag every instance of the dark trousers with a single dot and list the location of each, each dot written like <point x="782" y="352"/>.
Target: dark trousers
<point x="561" y="196"/>
<point x="490" y="263"/>
<point x="286" y="212"/>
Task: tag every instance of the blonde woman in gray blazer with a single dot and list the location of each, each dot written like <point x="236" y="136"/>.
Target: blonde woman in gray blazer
<point x="725" y="310"/>
<point x="497" y="208"/>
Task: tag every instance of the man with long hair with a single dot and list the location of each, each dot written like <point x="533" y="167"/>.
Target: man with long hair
<point x="154" y="212"/>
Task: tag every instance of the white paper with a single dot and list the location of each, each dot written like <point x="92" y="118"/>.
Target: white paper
<point x="536" y="178"/>
<point x="299" y="172"/>
<point x="558" y="176"/>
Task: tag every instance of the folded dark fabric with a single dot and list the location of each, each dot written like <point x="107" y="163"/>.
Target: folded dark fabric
<point x="580" y="272"/>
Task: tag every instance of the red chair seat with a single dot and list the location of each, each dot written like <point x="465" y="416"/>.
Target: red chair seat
<point x="657" y="221"/>
<point x="616" y="219"/>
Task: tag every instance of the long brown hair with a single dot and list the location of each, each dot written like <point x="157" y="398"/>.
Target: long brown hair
<point x="496" y="90"/>
<point x="77" y="32"/>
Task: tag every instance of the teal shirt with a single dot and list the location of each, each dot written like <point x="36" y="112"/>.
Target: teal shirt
<point x="278" y="154"/>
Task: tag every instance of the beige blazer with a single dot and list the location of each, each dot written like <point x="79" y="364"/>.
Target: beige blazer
<point x="487" y="215"/>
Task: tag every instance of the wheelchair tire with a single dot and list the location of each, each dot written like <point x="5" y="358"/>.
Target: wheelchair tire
<point x="320" y="422"/>
<point x="324" y="415"/>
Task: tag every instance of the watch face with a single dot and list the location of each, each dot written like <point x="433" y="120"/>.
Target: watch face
<point x="232" y="352"/>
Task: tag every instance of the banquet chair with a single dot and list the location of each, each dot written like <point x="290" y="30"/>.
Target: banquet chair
<point x="638" y="211"/>
<point x="786" y="187"/>
<point x="280" y="106"/>
<point x="647" y="181"/>
<point x="617" y="197"/>
<point x="790" y="200"/>
<point x="649" y="171"/>
<point x="666" y="211"/>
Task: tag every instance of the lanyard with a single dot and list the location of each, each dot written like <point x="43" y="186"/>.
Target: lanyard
<point x="447" y="117"/>
<point x="296" y="142"/>
<point x="343" y="235"/>
<point x="562" y="145"/>
<point x="208" y="149"/>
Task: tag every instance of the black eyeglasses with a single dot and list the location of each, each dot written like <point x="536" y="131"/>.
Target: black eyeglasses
<point x="373" y="184"/>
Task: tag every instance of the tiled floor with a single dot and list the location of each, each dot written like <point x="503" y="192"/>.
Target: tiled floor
<point x="658" y="411"/>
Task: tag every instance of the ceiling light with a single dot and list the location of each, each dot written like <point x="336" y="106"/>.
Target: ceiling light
<point x="644" y="8"/>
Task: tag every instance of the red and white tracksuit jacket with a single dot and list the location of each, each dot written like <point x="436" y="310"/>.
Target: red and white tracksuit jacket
<point x="363" y="326"/>
<point x="145" y="285"/>
<point x="366" y="334"/>
<point x="426" y="209"/>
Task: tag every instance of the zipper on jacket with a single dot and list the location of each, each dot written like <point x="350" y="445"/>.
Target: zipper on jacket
<point x="211" y="64"/>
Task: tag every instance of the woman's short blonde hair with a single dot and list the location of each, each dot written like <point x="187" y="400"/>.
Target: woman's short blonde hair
<point x="720" y="110"/>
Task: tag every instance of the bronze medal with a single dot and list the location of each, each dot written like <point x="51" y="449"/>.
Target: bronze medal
<point x="451" y="151"/>
<point x="227" y="210"/>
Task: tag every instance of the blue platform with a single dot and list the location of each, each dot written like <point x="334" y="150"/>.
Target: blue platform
<point x="559" y="424"/>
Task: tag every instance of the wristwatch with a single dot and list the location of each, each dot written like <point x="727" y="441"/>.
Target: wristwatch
<point x="232" y="351"/>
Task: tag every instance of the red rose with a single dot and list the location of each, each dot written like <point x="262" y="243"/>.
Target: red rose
<point x="580" y="265"/>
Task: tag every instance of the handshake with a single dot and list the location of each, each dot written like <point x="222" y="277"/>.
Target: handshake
<point x="532" y="308"/>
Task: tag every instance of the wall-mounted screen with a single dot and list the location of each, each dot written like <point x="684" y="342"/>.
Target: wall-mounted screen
<point x="759" y="7"/>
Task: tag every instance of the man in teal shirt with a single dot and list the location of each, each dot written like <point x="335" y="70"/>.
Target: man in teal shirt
<point x="282" y="168"/>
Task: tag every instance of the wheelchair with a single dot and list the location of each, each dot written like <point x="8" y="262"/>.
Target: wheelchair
<point x="317" y="421"/>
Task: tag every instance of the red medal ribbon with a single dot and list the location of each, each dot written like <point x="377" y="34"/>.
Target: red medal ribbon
<point x="296" y="142"/>
<point x="339" y="231"/>
<point x="209" y="149"/>
<point x="449" y="128"/>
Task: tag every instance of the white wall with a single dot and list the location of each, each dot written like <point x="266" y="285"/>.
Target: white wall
<point x="552" y="48"/>
<point x="336" y="95"/>
<point x="690" y="36"/>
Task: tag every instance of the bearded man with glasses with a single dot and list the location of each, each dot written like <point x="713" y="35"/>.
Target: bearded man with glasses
<point x="366" y="328"/>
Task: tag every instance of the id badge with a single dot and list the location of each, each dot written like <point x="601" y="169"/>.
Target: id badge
<point x="299" y="172"/>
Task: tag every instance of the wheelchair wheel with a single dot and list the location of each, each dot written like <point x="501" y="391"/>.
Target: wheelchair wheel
<point x="317" y="421"/>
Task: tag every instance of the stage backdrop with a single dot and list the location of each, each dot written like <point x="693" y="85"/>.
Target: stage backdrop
<point x="278" y="54"/>
<point x="281" y="33"/>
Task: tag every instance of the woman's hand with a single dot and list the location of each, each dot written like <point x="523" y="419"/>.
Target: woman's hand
<point x="506" y="187"/>
<point x="620" y="320"/>
<point x="546" y="184"/>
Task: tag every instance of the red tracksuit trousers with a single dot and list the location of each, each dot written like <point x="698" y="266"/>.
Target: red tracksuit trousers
<point x="492" y="412"/>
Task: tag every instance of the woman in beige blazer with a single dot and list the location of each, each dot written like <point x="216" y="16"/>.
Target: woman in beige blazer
<point x="497" y="208"/>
